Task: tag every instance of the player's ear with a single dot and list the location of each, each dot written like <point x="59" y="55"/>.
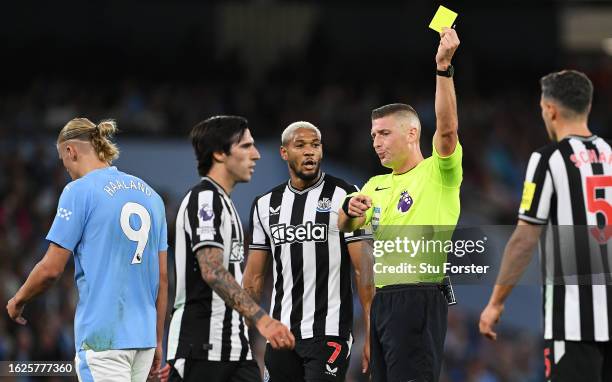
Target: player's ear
<point x="283" y="153"/>
<point x="219" y="156"/>
<point x="553" y="111"/>
<point x="413" y="133"/>
<point x="72" y="152"/>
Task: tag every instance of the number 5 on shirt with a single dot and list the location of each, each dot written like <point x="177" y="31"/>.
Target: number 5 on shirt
<point x="594" y="204"/>
<point x="601" y="205"/>
<point x="141" y="236"/>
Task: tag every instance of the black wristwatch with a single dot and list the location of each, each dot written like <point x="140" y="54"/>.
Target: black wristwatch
<point x="449" y="72"/>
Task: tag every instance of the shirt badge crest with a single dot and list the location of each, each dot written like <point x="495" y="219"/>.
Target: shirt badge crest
<point x="405" y="202"/>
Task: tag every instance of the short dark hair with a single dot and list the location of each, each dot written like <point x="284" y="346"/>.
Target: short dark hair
<point x="571" y="88"/>
<point x="393" y="108"/>
<point x="216" y="134"/>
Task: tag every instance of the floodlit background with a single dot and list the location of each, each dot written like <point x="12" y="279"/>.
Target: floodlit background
<point x="159" y="67"/>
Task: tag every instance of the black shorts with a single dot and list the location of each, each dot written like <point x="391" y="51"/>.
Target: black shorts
<point x="407" y="330"/>
<point x="314" y="359"/>
<point x="577" y="361"/>
<point x="215" y="371"/>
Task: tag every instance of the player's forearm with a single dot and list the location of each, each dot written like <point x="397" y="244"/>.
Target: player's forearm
<point x="224" y="284"/>
<point x="366" y="294"/>
<point x="255" y="273"/>
<point x="253" y="285"/>
<point x="162" y="306"/>
<point x="500" y="294"/>
<point x="446" y="108"/>
<point x="363" y="264"/>
<point x="517" y="256"/>
<point x="365" y="284"/>
<point x="39" y="280"/>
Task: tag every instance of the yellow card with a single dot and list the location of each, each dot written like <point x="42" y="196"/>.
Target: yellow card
<point x="444" y="17"/>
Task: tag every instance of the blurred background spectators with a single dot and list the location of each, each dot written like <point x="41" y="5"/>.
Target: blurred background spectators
<point x="159" y="67"/>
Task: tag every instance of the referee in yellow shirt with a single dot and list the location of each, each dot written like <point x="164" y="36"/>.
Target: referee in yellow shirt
<point x="409" y="311"/>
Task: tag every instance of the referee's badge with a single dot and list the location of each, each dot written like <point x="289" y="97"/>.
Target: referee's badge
<point x="324" y="205"/>
<point x="405" y="202"/>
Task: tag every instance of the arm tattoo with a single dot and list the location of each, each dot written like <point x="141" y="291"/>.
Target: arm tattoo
<point x="223" y="283"/>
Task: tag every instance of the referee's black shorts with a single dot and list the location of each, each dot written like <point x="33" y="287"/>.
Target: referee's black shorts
<point x="314" y="359"/>
<point x="577" y="361"/>
<point x="407" y="330"/>
<point x="193" y="370"/>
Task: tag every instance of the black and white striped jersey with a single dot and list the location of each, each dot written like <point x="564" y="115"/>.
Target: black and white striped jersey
<point x="567" y="187"/>
<point x="202" y="325"/>
<point x="311" y="265"/>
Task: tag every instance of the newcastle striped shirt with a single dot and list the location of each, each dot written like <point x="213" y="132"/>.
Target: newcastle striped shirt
<point x="567" y="187"/>
<point x="312" y="270"/>
<point x="202" y="325"/>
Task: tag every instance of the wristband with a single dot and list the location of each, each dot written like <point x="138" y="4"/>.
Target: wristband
<point x="345" y="206"/>
<point x="449" y="72"/>
<point x="257" y="316"/>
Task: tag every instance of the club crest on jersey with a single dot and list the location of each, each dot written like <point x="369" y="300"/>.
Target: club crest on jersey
<point x="206" y="212"/>
<point x="324" y="205"/>
<point x="405" y="202"/>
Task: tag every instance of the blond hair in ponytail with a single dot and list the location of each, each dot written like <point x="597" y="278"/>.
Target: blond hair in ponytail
<point x="99" y="136"/>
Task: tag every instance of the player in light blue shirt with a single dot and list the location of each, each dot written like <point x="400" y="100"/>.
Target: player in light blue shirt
<point x="115" y="225"/>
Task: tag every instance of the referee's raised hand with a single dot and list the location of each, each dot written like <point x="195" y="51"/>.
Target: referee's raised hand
<point x="449" y="42"/>
<point x="277" y="334"/>
<point x="358" y="205"/>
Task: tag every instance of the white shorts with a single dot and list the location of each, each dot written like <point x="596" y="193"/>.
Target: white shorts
<point x="130" y="365"/>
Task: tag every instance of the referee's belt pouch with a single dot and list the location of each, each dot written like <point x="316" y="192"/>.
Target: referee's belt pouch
<point x="447" y="290"/>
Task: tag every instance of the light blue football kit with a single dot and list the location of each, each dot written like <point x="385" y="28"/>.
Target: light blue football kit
<point x="115" y="226"/>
